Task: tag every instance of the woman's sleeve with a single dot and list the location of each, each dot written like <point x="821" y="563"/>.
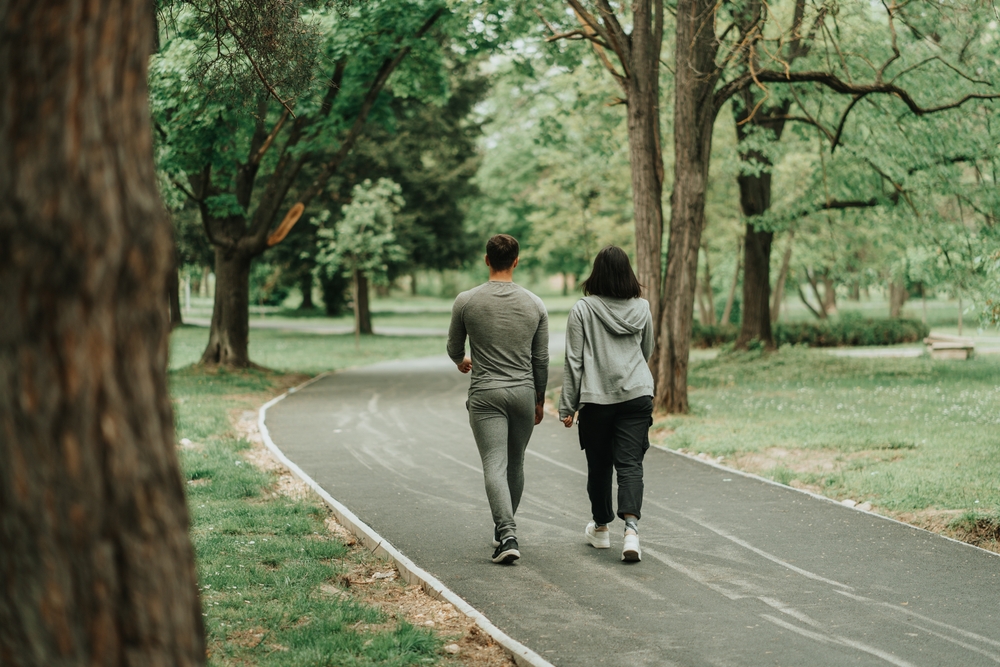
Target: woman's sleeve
<point x="569" y="401"/>
<point x="647" y="337"/>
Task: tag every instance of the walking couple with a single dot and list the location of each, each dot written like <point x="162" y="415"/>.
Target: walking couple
<point x="607" y="387"/>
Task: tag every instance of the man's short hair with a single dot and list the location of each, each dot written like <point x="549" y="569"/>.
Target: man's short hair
<point x="502" y="250"/>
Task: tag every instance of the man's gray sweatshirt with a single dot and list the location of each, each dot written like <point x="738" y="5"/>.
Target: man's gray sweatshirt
<point x="508" y="331"/>
<point x="608" y="342"/>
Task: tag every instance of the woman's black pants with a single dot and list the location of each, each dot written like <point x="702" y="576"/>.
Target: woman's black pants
<point x="615" y="437"/>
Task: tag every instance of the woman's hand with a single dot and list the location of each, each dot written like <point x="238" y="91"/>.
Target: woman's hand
<point x="568" y="422"/>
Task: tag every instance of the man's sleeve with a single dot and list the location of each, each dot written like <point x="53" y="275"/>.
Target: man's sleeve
<point x="647" y="337"/>
<point x="540" y="354"/>
<point x="456" y="332"/>
<point x="569" y="401"/>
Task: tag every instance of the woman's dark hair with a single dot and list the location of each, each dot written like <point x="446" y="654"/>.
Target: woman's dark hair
<point x="612" y="275"/>
<point x="502" y="250"/>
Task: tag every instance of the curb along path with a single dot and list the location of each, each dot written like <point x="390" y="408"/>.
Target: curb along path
<point x="411" y="573"/>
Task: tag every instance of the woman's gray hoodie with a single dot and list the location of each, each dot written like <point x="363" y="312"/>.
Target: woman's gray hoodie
<point x="608" y="342"/>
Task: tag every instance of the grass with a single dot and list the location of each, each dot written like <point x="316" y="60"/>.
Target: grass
<point x="274" y="580"/>
<point x="307" y="352"/>
<point x="907" y="435"/>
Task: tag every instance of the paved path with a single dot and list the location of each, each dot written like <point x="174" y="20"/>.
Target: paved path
<point x="736" y="571"/>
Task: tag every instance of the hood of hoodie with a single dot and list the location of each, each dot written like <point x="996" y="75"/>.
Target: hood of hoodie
<point x="622" y="317"/>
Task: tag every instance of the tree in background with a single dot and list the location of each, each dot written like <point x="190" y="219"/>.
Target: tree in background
<point x="98" y="567"/>
<point x="363" y="242"/>
<point x="245" y="168"/>
<point x="556" y="179"/>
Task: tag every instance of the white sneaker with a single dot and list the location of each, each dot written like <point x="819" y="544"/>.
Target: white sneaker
<point x="631" y="553"/>
<point x="599" y="539"/>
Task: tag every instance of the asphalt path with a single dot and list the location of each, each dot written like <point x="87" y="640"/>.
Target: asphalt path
<point x="736" y="571"/>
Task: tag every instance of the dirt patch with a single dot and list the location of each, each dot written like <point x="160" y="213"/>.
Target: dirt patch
<point x="982" y="531"/>
<point x="372" y="580"/>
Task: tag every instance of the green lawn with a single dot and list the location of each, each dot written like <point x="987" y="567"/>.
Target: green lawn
<point x="307" y="352"/>
<point x="905" y="434"/>
<point x="275" y="583"/>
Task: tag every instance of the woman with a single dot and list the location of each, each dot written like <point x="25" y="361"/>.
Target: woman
<point x="609" y="338"/>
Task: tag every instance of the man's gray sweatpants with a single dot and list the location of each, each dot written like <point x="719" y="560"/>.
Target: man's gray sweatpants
<point x="502" y="421"/>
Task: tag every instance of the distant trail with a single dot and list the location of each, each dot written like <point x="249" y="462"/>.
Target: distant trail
<point x="736" y="571"/>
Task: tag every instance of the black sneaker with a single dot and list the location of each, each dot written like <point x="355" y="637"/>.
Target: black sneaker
<point x="507" y="552"/>
<point x="496" y="537"/>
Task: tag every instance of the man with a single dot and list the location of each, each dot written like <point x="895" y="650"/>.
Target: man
<point x="508" y="331"/>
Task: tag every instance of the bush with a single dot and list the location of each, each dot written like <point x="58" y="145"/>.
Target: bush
<point x="713" y="335"/>
<point x="848" y="329"/>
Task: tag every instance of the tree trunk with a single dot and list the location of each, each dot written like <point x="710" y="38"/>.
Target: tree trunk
<point x="755" y="199"/>
<point x="756" y="311"/>
<point x="362" y="312"/>
<point x="174" y="298"/>
<point x="727" y="311"/>
<point x="702" y="309"/>
<point x="707" y="286"/>
<point x="645" y="156"/>
<point x="413" y="283"/>
<point x="779" y="286"/>
<point x="306" y="285"/>
<point x="229" y="336"/>
<point x="203" y="292"/>
<point x="97" y="564"/>
<point x="897" y="297"/>
<point x="820" y="311"/>
<point x="694" y="116"/>
<point x="829" y="295"/>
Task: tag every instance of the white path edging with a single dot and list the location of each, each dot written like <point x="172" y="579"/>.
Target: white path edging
<point x="411" y="573"/>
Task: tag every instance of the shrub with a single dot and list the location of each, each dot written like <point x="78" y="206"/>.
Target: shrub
<point x="848" y="329"/>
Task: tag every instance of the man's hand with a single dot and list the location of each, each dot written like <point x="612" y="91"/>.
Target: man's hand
<point x="568" y="422"/>
<point x="465" y="366"/>
<point x="539" y="411"/>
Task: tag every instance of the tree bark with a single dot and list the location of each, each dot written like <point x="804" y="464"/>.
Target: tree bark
<point x="756" y="311"/>
<point x="645" y="160"/>
<point x="362" y="312"/>
<point x="779" y="286"/>
<point x="694" y="116"/>
<point x="96" y="561"/>
<point x="229" y="336"/>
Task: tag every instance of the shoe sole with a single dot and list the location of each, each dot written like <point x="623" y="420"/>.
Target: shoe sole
<point x="631" y="556"/>
<point x="507" y="557"/>
<point x="594" y="542"/>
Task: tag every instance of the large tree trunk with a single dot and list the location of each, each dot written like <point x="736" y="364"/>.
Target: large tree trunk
<point x="646" y="163"/>
<point x="756" y="320"/>
<point x="694" y="116"/>
<point x="95" y="557"/>
<point x="362" y="311"/>
<point x="229" y="336"/>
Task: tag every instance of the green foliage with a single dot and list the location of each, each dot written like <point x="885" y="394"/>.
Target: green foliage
<point x="363" y="239"/>
<point x="846" y="330"/>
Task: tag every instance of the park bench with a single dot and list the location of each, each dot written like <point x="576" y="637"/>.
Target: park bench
<point x="940" y="346"/>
